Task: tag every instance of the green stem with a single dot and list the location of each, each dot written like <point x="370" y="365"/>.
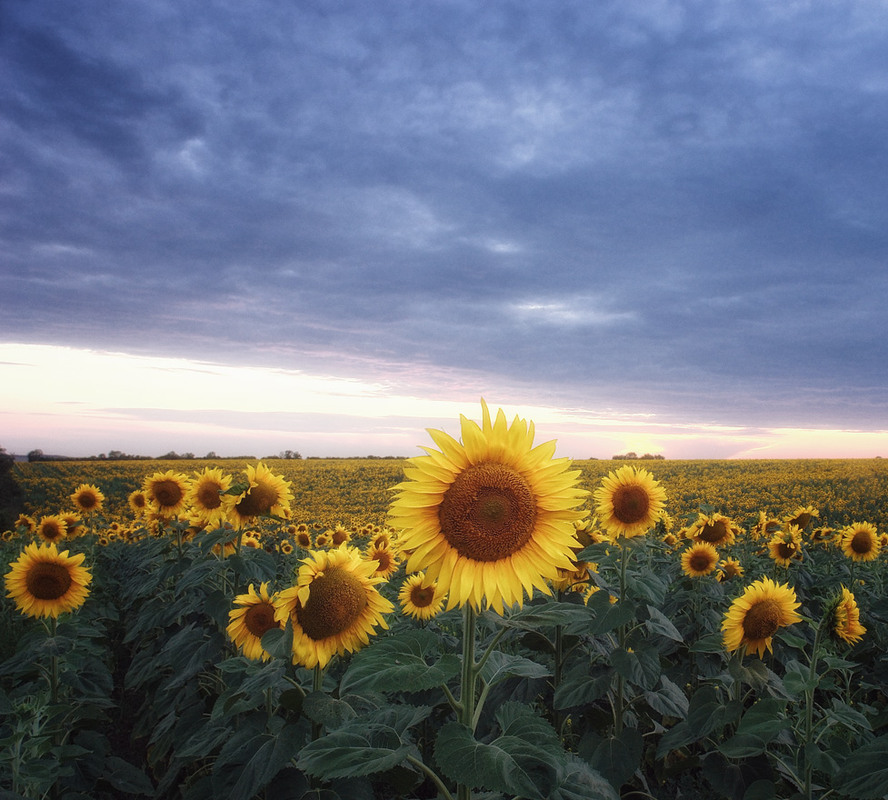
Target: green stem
<point x="809" y="704"/>
<point x="54" y="666"/>
<point x="619" y="703"/>
<point x="432" y="775"/>
<point x="317" y="685"/>
<point x="468" y="677"/>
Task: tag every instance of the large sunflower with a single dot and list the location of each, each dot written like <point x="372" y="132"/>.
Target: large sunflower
<point x="491" y="517"/>
<point x="266" y="494"/>
<point x="253" y="617"/>
<point x="334" y="606"/>
<point x="754" y="617"/>
<point x="52" y="528"/>
<point x="45" y="583"/>
<point x="206" y="497"/>
<point x="860" y="542"/>
<point x="629" y="502"/>
<point x="699" y="559"/>
<point x="87" y="498"/>
<point x="418" y="601"/>
<point x="846" y="618"/>
<point x="166" y="492"/>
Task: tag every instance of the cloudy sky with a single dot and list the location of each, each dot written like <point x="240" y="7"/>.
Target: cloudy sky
<point x="244" y="226"/>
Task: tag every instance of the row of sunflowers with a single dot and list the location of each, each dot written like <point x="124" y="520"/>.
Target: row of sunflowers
<point x="504" y="632"/>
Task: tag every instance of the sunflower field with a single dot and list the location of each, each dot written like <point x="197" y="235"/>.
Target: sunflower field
<point x="482" y="621"/>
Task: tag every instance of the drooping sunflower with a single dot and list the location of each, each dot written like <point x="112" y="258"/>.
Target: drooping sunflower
<point x="252" y="618"/>
<point x="334" y="607"/>
<point x="166" y="492"/>
<point x="87" y="498"/>
<point x="45" y="583"/>
<point x="206" y="497"/>
<point x="576" y="580"/>
<point x="52" y="528"/>
<point x="846" y="618"/>
<point x="786" y="546"/>
<point x="716" y="529"/>
<point x="801" y="517"/>
<point x="138" y="502"/>
<point x="755" y="616"/>
<point x="730" y="568"/>
<point x="489" y="518"/>
<point x="699" y="559"/>
<point x="266" y="494"/>
<point x="418" y="601"/>
<point x="860" y="542"/>
<point x="629" y="502"/>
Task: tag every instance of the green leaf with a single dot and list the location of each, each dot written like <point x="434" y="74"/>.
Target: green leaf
<point x="668" y="700"/>
<point x="641" y="667"/>
<point x="400" y="664"/>
<point x="278" y="642"/>
<point x="797" y="679"/>
<point x="573" y="616"/>
<point x="327" y="711"/>
<point x="617" y="757"/>
<point x="609" y="615"/>
<point x="349" y="753"/>
<point x="660" y="624"/>
<point x="500" y="666"/>
<point x="864" y="775"/>
<point x="711" y="643"/>
<point x="124" y="777"/>
<point x="580" y="690"/>
<point x="847" y="716"/>
<point x="648" y="586"/>
<point x="263" y="763"/>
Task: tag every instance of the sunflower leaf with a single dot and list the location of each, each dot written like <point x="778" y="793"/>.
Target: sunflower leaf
<point x="500" y="666"/>
<point x="349" y="753"/>
<point x="864" y="775"/>
<point x="400" y="663"/>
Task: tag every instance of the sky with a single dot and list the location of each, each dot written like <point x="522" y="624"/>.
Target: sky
<point x="647" y="225"/>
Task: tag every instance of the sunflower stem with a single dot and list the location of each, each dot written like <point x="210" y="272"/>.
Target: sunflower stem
<point x="317" y="685"/>
<point x="468" y="677"/>
<point x="432" y="775"/>
<point x="621" y="640"/>
<point x="809" y="703"/>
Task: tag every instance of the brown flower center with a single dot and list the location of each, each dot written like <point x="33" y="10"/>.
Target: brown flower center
<point x="259" y="619"/>
<point x="422" y="596"/>
<point x="801" y="520"/>
<point x="168" y="493"/>
<point x="762" y="620"/>
<point x="631" y="504"/>
<point x="48" y="581"/>
<point x="257" y="501"/>
<point x="51" y="531"/>
<point x="87" y="500"/>
<point x="488" y="513"/>
<point x="384" y="558"/>
<point x="336" y="600"/>
<point x="701" y="561"/>
<point x="714" y="532"/>
<point x="209" y="495"/>
<point x="862" y="542"/>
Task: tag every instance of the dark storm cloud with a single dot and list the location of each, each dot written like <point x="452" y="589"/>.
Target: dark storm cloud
<point x="682" y="198"/>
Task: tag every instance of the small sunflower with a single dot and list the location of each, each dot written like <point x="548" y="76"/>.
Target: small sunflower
<point x="699" y="559"/>
<point x="286" y="547"/>
<point x="801" y="517"/>
<point x="846" y="618"/>
<point x="577" y="579"/>
<point x="52" y="528"/>
<point x="860" y="542"/>
<point x="45" y="583"/>
<point x="766" y="526"/>
<point x="334" y="607"/>
<point x="386" y="559"/>
<point x="629" y="502"/>
<point x="166" y="492"/>
<point x="26" y="524"/>
<point x="716" y="529"/>
<point x="786" y="546"/>
<point x="303" y="537"/>
<point x="489" y="518"/>
<point x="87" y="498"/>
<point x="206" y="497"/>
<point x="138" y="502"/>
<point x="755" y="616"/>
<point x="418" y="601"/>
<point x="266" y="494"/>
<point x="340" y="535"/>
<point x="253" y="617"/>
<point x="73" y="524"/>
<point x="730" y="568"/>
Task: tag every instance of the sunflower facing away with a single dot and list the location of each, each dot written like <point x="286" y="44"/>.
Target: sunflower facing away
<point x="267" y="494"/>
<point x="629" y="502"/>
<point x="860" y="542"/>
<point x="166" y="493"/>
<point x="846" y="618"/>
<point x="802" y="517"/>
<point x="45" y="583"/>
<point x="334" y="607"/>
<point x="754" y="617"/>
<point x="699" y="559"/>
<point x="206" y="497"/>
<point x="87" y="498"/>
<point x="418" y="601"/>
<point x="489" y="518"/>
<point x="253" y="617"/>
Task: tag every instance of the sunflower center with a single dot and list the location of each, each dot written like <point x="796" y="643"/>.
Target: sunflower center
<point x="801" y="520"/>
<point x="257" y="501"/>
<point x="862" y="542"/>
<point x="87" y="500"/>
<point x="700" y="561"/>
<point x="167" y="493"/>
<point x="786" y="549"/>
<point x="631" y="504"/>
<point x="47" y="581"/>
<point x="383" y="558"/>
<point x="259" y="619"/>
<point x="209" y="495"/>
<point x="337" y="599"/>
<point x="714" y="532"/>
<point x="422" y="596"/>
<point x="762" y="620"/>
<point x="488" y="513"/>
<point x="51" y="531"/>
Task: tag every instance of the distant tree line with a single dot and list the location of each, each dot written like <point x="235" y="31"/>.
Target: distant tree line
<point x="630" y="456"/>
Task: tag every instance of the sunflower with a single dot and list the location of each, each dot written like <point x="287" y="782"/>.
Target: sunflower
<point x="87" y="498"/>
<point x="387" y="561"/>
<point x="801" y="517"/>
<point x="786" y="546"/>
<point x="253" y="617"/>
<point x="716" y="529"/>
<point x="45" y="583"/>
<point x="334" y="606"/>
<point x="340" y="535"/>
<point x="860" y="542"/>
<point x="138" y="502"/>
<point x="730" y="568"/>
<point x="754" y="617"/>
<point x="766" y="526"/>
<point x="267" y="494"/>
<point x="166" y="493"/>
<point x="577" y="579"/>
<point x="73" y="524"/>
<point x="699" y="559"/>
<point x="846" y="618"/>
<point x="418" y="601"/>
<point x="26" y="524"/>
<point x="303" y="537"/>
<point x="488" y="518"/>
<point x="629" y="502"/>
<point x="286" y="547"/>
<point x="52" y="528"/>
<point x="206" y="497"/>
